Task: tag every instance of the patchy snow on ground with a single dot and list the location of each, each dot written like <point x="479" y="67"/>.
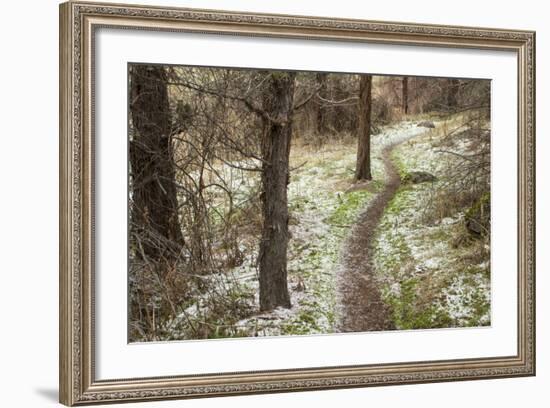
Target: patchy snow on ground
<point x="417" y="267"/>
<point x="322" y="213"/>
<point x="315" y="193"/>
<point x="322" y="210"/>
<point x="426" y="277"/>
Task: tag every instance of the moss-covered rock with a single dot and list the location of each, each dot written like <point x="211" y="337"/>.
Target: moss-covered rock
<point x="478" y="217"/>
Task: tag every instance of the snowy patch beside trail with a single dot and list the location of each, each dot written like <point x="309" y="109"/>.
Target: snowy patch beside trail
<point x="431" y="273"/>
<point x="395" y="134"/>
<point x="389" y="135"/>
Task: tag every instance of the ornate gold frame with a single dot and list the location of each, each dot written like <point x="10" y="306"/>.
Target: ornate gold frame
<point x="78" y="21"/>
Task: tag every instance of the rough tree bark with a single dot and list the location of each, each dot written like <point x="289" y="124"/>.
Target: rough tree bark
<point x="405" y="95"/>
<point x="453" y="86"/>
<point x="278" y="99"/>
<point x="362" y="168"/>
<point x="154" y="213"/>
<point x="320" y="119"/>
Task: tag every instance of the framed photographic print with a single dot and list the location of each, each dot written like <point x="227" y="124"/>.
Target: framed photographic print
<point x="263" y="203"/>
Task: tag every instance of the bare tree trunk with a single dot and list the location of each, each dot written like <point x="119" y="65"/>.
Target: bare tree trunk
<point x="362" y="169"/>
<point x="405" y="95"/>
<point x="453" y="86"/>
<point x="320" y="119"/>
<point x="154" y="212"/>
<point x="278" y="99"/>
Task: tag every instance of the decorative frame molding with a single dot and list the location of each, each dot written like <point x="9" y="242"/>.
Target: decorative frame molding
<point x="78" y="20"/>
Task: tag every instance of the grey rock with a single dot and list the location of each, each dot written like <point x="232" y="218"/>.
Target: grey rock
<point x="426" y="124"/>
<point x="417" y="177"/>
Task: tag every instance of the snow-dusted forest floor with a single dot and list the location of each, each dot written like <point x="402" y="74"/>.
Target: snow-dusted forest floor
<point x="425" y="278"/>
<point x="324" y="205"/>
<point x="431" y="272"/>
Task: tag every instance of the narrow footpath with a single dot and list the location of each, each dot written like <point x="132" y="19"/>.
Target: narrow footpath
<point x="360" y="303"/>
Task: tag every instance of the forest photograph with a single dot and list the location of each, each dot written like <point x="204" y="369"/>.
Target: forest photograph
<point x="282" y="203"/>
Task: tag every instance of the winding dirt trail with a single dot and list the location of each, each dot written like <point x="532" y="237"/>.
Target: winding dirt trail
<point x="360" y="301"/>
